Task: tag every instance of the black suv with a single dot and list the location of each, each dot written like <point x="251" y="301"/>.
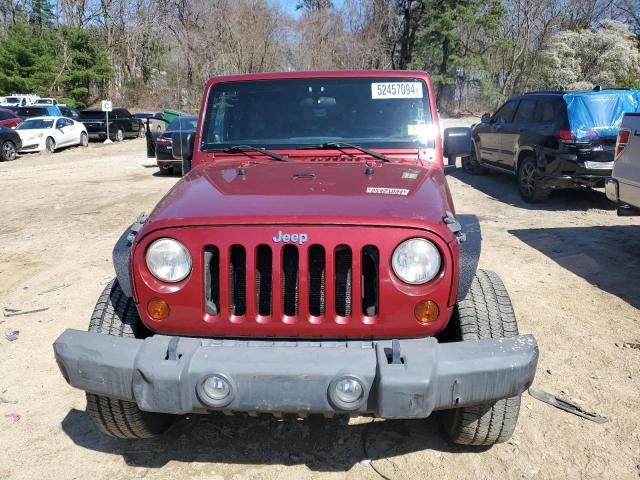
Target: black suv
<point x="551" y="140"/>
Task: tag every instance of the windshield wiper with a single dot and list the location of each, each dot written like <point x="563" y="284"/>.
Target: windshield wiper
<point x="249" y="148"/>
<point x="342" y="146"/>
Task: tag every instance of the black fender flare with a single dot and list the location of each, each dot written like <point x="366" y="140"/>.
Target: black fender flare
<point x="122" y="261"/>
<point x="469" y="252"/>
<point x="122" y="255"/>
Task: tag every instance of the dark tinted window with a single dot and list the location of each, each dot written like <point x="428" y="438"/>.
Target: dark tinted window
<point x="32" y="112"/>
<point x="92" y="114"/>
<point x="505" y="113"/>
<point x="183" y="123"/>
<point x="552" y="111"/>
<point x="5" y="116"/>
<point x="525" y="111"/>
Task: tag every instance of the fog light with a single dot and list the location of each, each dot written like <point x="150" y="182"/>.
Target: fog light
<point x="158" y="308"/>
<point x="348" y="390"/>
<point x="216" y="387"/>
<point x="426" y="311"/>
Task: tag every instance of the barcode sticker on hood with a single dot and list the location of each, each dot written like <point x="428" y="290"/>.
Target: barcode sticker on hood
<point x="388" y="191"/>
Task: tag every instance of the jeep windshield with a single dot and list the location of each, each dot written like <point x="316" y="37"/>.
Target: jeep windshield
<point x="297" y="113"/>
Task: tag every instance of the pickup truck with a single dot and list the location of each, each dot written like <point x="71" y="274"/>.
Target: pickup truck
<point x="310" y="261"/>
<point x="624" y="185"/>
<point x="121" y="124"/>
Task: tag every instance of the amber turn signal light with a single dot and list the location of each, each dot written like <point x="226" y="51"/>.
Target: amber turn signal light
<point x="158" y="308"/>
<point x="426" y="311"/>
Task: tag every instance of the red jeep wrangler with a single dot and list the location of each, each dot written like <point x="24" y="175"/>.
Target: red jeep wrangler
<point x="309" y="263"/>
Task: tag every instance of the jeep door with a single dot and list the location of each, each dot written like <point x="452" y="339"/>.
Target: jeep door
<point x="522" y="123"/>
<point x="489" y="135"/>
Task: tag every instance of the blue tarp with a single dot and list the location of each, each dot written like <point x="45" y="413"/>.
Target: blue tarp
<point x="599" y="114"/>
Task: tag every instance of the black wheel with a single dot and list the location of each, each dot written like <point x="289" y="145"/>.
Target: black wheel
<point x="8" y="152"/>
<point x="470" y="164"/>
<point x="529" y="183"/>
<point x="84" y="139"/>
<point x="141" y="131"/>
<point x="186" y="166"/>
<point x="50" y="144"/>
<point x="115" y="314"/>
<point x="486" y="312"/>
<point x="119" y="135"/>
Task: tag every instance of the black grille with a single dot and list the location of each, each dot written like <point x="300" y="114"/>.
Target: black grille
<point x="343" y="258"/>
<point x="290" y="280"/>
<point x="237" y="280"/>
<point x="316" y="262"/>
<point x="263" y="279"/>
<point x="316" y="280"/>
<point x="369" y="263"/>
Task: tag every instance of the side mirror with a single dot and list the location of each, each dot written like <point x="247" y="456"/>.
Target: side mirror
<point x="183" y="145"/>
<point x="486" y="118"/>
<point x="456" y="143"/>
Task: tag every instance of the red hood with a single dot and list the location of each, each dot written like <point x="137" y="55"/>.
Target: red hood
<point x="318" y="190"/>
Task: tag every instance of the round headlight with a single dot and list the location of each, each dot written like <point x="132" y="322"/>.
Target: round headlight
<point x="416" y="261"/>
<point x="168" y="260"/>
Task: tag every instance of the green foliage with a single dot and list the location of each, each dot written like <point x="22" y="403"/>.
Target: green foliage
<point x="36" y="58"/>
<point x="41" y="13"/>
<point x="454" y="34"/>
<point x="27" y="60"/>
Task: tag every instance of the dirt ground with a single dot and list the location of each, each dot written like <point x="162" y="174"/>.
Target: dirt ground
<point x="571" y="266"/>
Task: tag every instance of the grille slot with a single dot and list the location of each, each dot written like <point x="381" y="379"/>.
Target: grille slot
<point x="343" y="259"/>
<point x="370" y="264"/>
<point x="212" y="280"/>
<point x="290" y="280"/>
<point x="317" y="272"/>
<point x="237" y="280"/>
<point x="263" y="279"/>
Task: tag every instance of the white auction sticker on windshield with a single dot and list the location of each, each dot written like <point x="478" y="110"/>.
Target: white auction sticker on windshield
<point x="396" y="90"/>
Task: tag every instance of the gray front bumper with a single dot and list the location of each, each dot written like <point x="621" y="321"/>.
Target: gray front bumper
<point x="161" y="375"/>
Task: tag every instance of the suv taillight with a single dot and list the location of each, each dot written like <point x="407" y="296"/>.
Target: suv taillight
<point x="622" y="141"/>
<point x="565" y="135"/>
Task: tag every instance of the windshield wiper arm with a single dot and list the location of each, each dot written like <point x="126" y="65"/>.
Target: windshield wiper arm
<point x="249" y="148"/>
<point x="342" y="146"/>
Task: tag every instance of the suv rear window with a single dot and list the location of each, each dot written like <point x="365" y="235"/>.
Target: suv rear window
<point x="373" y="112"/>
<point x="32" y="112"/>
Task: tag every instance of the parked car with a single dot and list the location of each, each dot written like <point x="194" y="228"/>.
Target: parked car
<point x="149" y="118"/>
<point x="121" y="124"/>
<point x="69" y="112"/>
<point x="164" y="143"/>
<point x="39" y="111"/>
<point x="305" y="265"/>
<point x="551" y="140"/>
<point x="46" y="101"/>
<point x="19" y="100"/>
<point x="624" y="185"/>
<point x="9" y="119"/>
<point x="51" y="133"/>
<point x="10" y="144"/>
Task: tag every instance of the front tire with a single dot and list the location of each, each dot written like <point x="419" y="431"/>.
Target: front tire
<point x="529" y="183"/>
<point x="8" y="152"/>
<point x="119" y="135"/>
<point x="471" y="164"/>
<point x="486" y="312"/>
<point x="50" y="145"/>
<point x="84" y="139"/>
<point x="115" y="314"/>
<point x="142" y="132"/>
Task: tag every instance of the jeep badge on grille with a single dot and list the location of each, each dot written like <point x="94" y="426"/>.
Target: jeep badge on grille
<point x="298" y="238"/>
